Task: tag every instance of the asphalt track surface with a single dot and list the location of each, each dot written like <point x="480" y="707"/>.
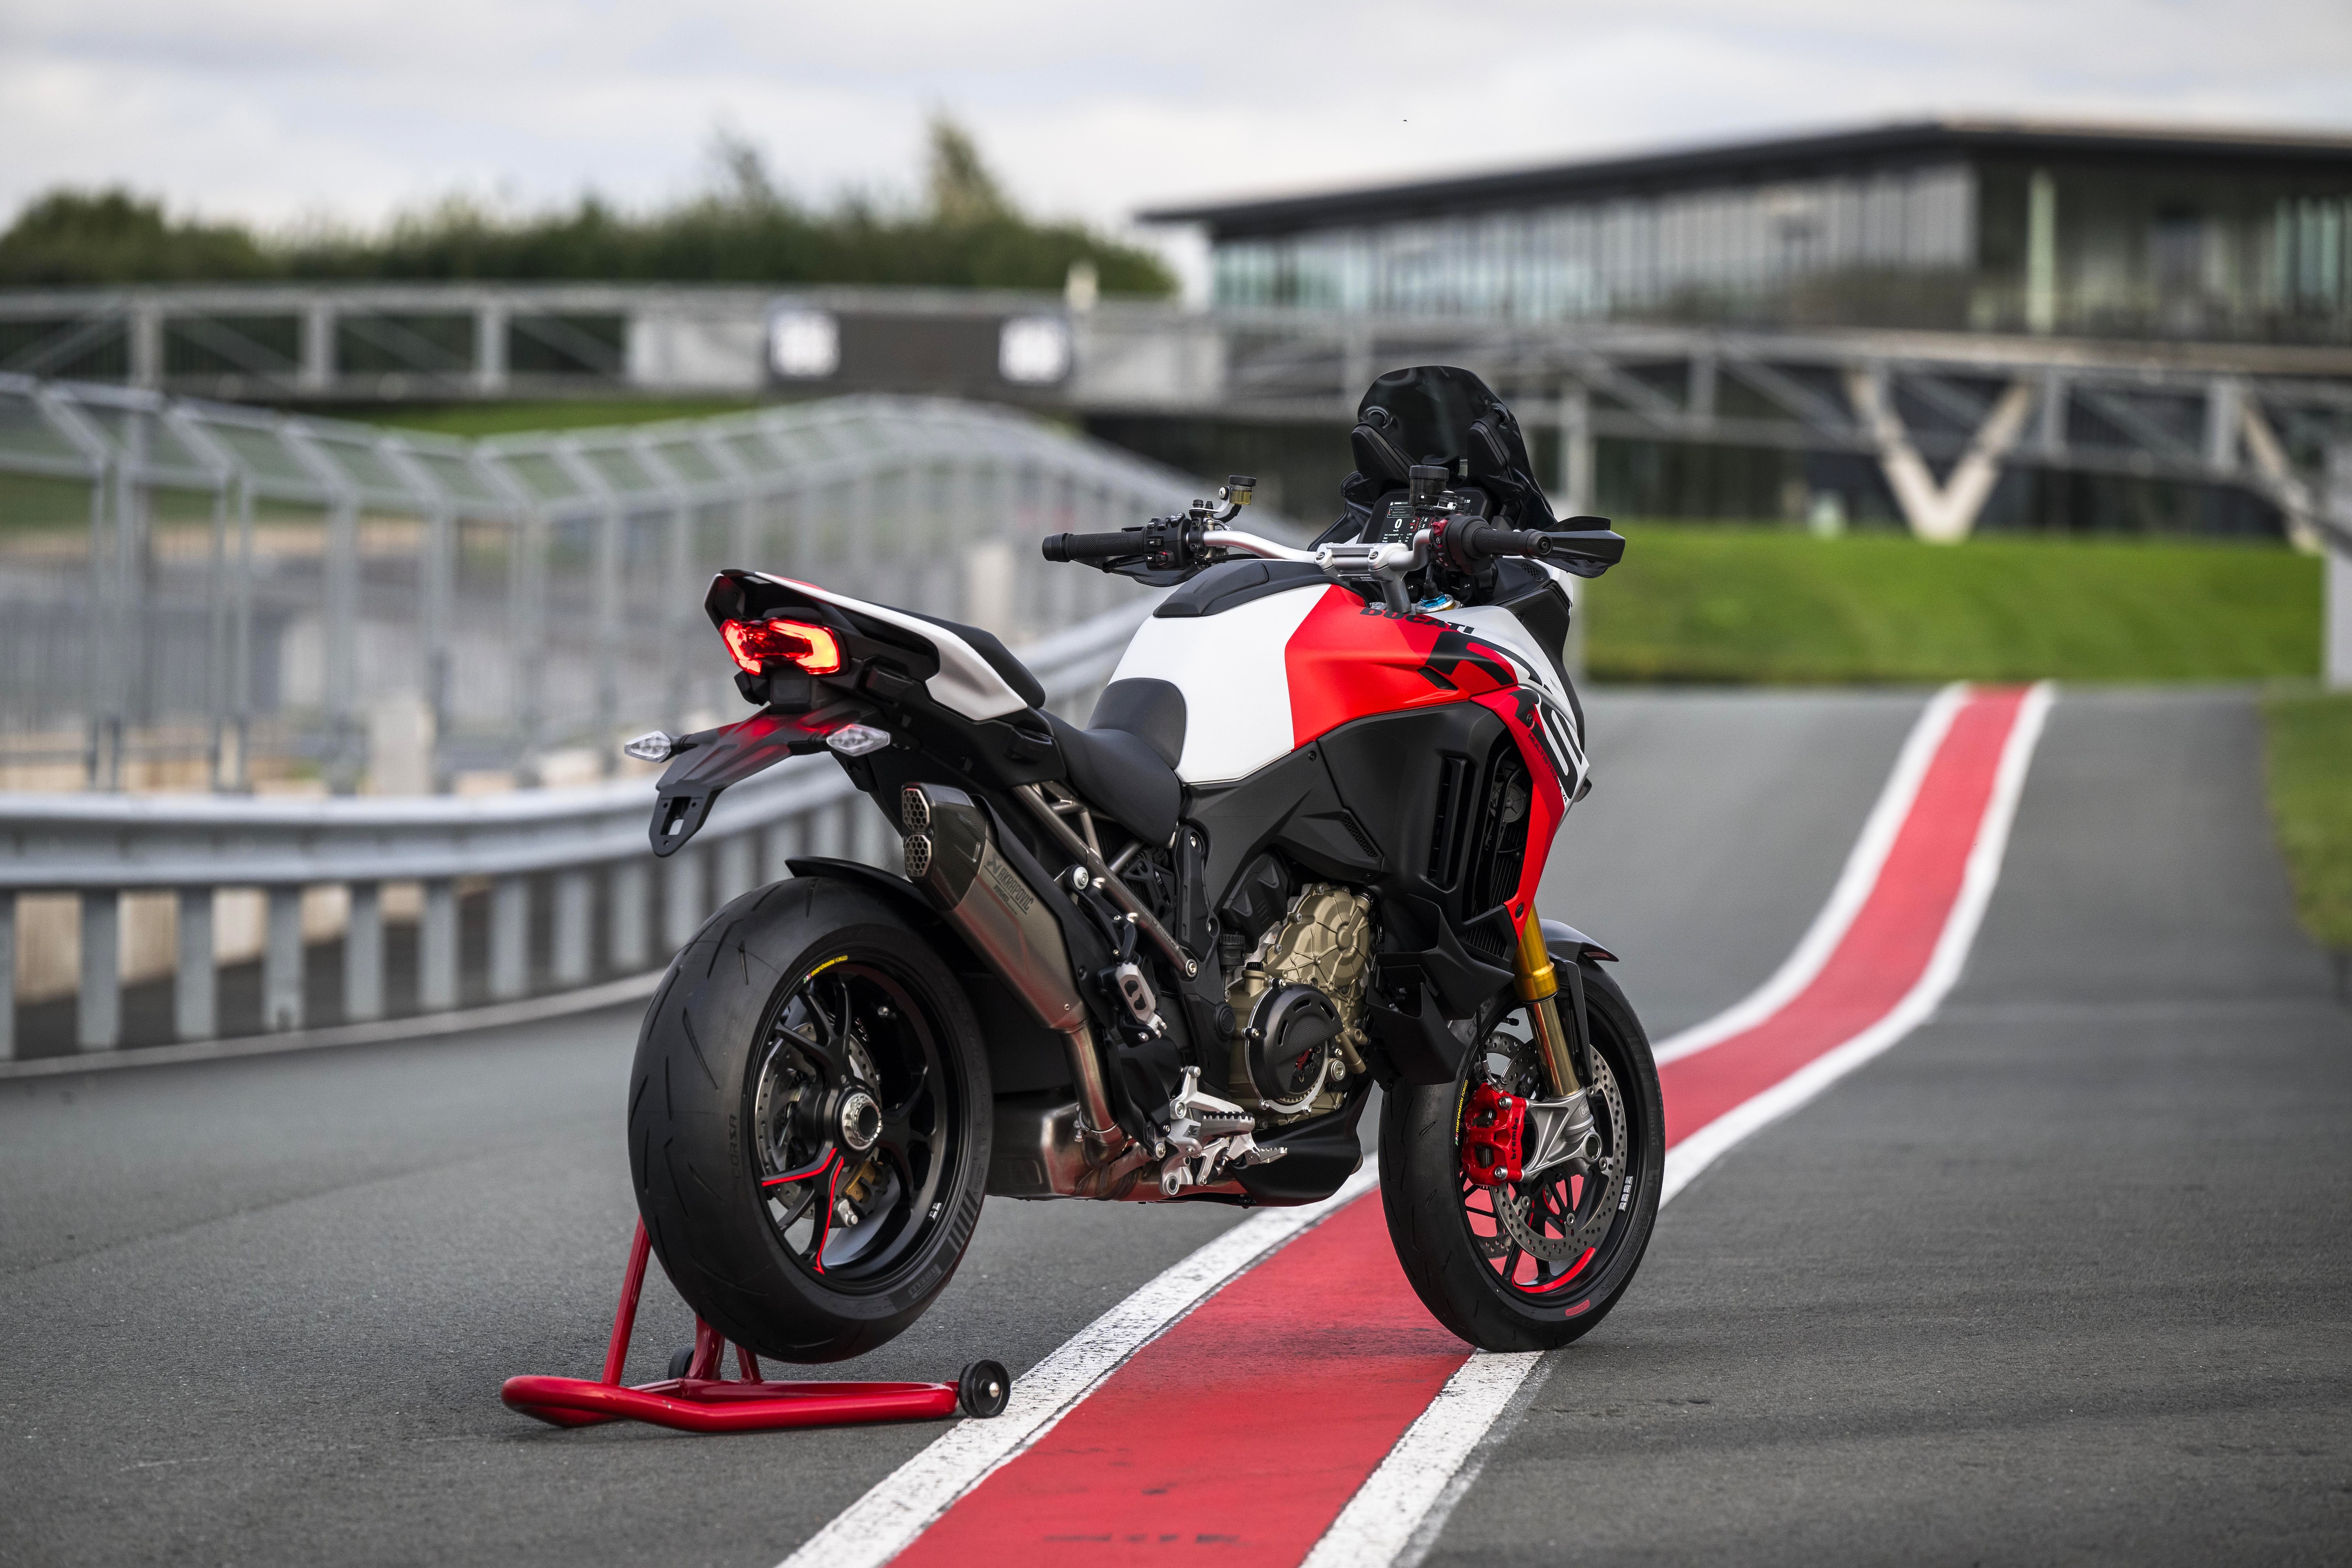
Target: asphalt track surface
<point x="2059" y="1277"/>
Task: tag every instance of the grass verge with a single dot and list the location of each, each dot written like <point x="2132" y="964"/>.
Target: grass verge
<point x="2310" y="773"/>
<point x="1698" y="602"/>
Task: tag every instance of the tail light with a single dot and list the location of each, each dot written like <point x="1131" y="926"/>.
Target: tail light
<point x="814" y="649"/>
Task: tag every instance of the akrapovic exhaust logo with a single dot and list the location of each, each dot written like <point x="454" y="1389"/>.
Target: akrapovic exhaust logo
<point x="1008" y="884"/>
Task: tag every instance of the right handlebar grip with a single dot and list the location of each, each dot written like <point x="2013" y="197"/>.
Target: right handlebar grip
<point x="1093" y="546"/>
<point x="1485" y="541"/>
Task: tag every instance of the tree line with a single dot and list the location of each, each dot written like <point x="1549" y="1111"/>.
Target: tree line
<point x="966" y="232"/>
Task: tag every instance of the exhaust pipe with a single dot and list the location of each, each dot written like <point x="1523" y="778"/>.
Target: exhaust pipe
<point x="951" y="855"/>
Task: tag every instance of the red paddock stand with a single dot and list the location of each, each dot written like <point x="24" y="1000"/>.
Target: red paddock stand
<point x="698" y="1398"/>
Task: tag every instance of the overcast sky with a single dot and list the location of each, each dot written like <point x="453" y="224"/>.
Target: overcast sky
<point x="279" y="111"/>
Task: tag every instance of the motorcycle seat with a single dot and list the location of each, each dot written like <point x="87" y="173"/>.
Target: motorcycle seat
<point x="1124" y="762"/>
<point x="998" y="657"/>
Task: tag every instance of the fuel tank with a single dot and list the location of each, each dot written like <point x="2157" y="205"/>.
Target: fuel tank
<point x="1270" y="666"/>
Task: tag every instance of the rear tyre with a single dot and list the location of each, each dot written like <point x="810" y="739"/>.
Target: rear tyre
<point x="1528" y="1266"/>
<point x="808" y="1122"/>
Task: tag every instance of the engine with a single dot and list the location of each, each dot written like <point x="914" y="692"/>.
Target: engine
<point x="1298" y="1004"/>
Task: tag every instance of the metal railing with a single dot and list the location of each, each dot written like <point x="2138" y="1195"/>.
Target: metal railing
<point x="2256" y="416"/>
<point x="198" y="585"/>
<point x="573" y="892"/>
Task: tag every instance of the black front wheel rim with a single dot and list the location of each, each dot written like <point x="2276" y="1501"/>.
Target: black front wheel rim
<point x="1544" y="1238"/>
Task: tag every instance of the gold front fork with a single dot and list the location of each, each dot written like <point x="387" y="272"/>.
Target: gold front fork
<point x="1540" y="989"/>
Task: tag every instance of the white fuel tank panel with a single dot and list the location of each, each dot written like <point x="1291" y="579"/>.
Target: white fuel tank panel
<point x="1236" y="686"/>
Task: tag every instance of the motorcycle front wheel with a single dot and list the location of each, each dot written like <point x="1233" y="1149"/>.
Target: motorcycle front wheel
<point x="809" y="1121"/>
<point x="1532" y="1265"/>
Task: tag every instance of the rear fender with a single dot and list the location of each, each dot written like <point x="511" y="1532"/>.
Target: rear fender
<point x="707" y="761"/>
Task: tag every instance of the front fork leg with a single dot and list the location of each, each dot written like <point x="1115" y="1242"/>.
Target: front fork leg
<point x="1563" y="1127"/>
<point x="1539" y="988"/>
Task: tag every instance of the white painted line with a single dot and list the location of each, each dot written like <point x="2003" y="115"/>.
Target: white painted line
<point x="1380" y="1519"/>
<point x="1863" y="864"/>
<point x="1394" y="1517"/>
<point x="1704" y="1146"/>
<point x="885" y="1521"/>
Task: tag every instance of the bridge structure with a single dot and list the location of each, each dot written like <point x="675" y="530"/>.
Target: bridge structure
<point x="1942" y="413"/>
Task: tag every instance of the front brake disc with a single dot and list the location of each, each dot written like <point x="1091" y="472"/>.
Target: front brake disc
<point x="1596" y="1208"/>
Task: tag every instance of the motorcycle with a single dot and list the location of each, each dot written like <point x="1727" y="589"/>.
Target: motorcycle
<point x="1169" y="956"/>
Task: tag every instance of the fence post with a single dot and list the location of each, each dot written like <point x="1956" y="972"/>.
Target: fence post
<point x="195" y="1005"/>
<point x="575" y="904"/>
<point x="281" y="960"/>
<point x="784" y="842"/>
<point x="631" y="944"/>
<point x="509" y="937"/>
<point x="99" y="1011"/>
<point x="7" y="974"/>
<point x="349" y="759"/>
<point x="363" y="953"/>
<point x="738" y="867"/>
<point x="683" y="904"/>
<point x="436" y="947"/>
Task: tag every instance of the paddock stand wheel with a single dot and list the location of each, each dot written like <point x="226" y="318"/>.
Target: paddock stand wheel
<point x="698" y="1398"/>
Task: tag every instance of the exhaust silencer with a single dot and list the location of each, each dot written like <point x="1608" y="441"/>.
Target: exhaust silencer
<point x="951" y="855"/>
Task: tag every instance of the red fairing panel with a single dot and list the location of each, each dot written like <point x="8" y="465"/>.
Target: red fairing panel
<point x="1349" y="659"/>
<point x="1531" y="727"/>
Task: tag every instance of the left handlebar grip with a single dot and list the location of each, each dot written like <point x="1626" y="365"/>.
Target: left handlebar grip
<point x="1093" y="546"/>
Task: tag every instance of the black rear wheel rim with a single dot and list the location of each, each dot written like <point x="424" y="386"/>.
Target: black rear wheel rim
<point x="854" y="1101"/>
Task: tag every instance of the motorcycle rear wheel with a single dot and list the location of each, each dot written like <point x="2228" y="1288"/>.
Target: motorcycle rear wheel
<point x="1468" y="1270"/>
<point x="809" y="1121"/>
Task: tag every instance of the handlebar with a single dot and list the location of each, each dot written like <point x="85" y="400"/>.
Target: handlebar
<point x="1094" y="546"/>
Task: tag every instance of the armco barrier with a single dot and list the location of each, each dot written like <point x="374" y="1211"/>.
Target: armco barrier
<point x="587" y="846"/>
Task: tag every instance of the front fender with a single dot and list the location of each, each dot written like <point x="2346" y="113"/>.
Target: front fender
<point x="1567" y="945"/>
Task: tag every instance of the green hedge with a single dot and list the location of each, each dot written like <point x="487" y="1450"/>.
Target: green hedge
<point x="2310" y="768"/>
<point x="1695" y="603"/>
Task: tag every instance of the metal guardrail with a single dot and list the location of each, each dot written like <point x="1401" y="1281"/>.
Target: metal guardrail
<point x="585" y="847"/>
<point x="197" y="582"/>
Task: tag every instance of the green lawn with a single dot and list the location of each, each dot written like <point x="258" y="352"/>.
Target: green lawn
<point x="1700" y="602"/>
<point x="510" y="419"/>
<point x="2310" y="770"/>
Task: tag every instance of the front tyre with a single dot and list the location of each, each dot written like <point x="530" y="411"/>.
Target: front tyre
<point x="1532" y="1265"/>
<point x="808" y="1122"/>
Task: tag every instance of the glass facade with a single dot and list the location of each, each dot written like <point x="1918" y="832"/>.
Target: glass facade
<point x="2167" y="252"/>
<point x="1724" y="252"/>
<point x="2144" y="248"/>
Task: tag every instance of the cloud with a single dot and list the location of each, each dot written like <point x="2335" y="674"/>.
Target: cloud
<point x="275" y="109"/>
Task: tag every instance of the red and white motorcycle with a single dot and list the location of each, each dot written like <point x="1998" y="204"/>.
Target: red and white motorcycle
<point x="1167" y="957"/>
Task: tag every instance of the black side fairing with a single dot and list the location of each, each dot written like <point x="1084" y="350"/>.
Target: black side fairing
<point x="1415" y="806"/>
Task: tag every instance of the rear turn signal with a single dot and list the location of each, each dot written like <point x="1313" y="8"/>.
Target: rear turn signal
<point x="814" y="649"/>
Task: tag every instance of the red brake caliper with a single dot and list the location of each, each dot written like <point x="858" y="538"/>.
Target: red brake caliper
<point x="1494" y="1133"/>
